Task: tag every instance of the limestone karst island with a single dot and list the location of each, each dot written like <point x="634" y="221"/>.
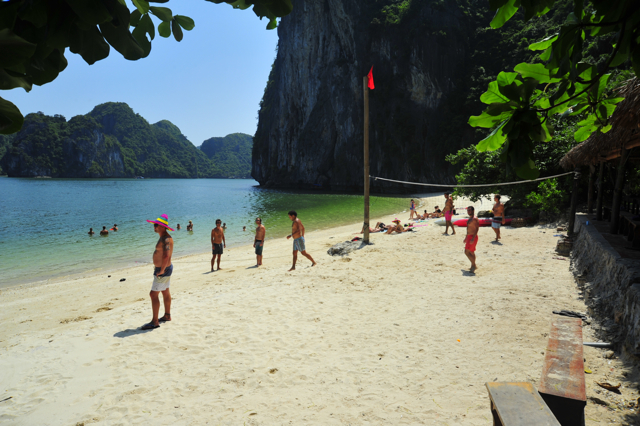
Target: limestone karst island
<point x="320" y="212"/>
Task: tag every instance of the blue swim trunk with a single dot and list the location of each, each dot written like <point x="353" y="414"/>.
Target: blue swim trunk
<point x="298" y="244"/>
<point x="259" y="247"/>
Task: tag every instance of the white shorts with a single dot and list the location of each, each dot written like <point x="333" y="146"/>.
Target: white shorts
<point x="160" y="283"/>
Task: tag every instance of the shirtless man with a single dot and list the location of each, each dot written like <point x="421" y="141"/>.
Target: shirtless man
<point x="218" y="243"/>
<point x="396" y="228"/>
<point x="471" y="240"/>
<point x="91" y="232"/>
<point x="104" y="231"/>
<point x="190" y="226"/>
<point x="258" y="242"/>
<point x="162" y="270"/>
<point x="115" y="227"/>
<point x="412" y="207"/>
<point x="448" y="214"/>
<point x="498" y="216"/>
<point x="297" y="232"/>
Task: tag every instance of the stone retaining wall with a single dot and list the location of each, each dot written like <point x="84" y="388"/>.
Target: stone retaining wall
<point x="611" y="285"/>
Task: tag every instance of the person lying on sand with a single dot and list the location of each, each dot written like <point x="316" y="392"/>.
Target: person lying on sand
<point x="397" y="228"/>
<point x="380" y="227"/>
<point x="436" y="213"/>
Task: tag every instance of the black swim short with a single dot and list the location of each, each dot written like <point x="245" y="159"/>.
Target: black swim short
<point x="217" y="249"/>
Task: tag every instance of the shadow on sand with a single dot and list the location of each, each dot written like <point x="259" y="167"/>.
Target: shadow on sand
<point x="467" y="273"/>
<point x="130" y="332"/>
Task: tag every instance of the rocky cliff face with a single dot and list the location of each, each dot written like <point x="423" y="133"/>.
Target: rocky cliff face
<point x="310" y="130"/>
<point x="40" y="149"/>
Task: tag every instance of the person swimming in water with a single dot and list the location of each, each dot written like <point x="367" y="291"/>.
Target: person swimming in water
<point x="91" y="231"/>
<point x="104" y="231"/>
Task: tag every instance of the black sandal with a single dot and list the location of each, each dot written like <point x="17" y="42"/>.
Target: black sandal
<point x="164" y="318"/>
<point x="149" y="326"/>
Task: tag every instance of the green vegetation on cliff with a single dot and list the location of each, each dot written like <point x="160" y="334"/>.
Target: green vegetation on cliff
<point x="110" y="141"/>
<point x="231" y="153"/>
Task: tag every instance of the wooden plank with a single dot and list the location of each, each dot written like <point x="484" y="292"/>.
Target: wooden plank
<point x="563" y="369"/>
<point x="519" y="404"/>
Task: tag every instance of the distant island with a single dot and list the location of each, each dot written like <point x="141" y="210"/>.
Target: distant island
<point x="112" y="141"/>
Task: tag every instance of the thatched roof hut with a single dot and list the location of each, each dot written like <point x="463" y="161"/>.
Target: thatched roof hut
<point x="625" y="133"/>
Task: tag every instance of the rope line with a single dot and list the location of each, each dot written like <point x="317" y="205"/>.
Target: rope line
<point x="471" y="186"/>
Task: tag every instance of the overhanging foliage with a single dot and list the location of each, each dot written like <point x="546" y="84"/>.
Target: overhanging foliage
<point x="34" y="35"/>
<point x="520" y="103"/>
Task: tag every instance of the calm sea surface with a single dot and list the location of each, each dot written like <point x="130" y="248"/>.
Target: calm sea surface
<point x="44" y="225"/>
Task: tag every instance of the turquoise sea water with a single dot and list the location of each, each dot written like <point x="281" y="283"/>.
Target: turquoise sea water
<point x="43" y="231"/>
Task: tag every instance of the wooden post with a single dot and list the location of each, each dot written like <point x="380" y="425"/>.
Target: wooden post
<point x="574" y="202"/>
<point x="592" y="180"/>
<point x="600" y="190"/>
<point x="617" y="192"/>
<point x="365" y="88"/>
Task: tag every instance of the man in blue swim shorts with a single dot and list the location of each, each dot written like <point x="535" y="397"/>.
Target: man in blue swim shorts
<point x="297" y="232"/>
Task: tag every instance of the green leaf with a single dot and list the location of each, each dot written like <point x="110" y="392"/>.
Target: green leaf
<point x="142" y="6"/>
<point x="493" y="94"/>
<point x="273" y="24"/>
<point x="544" y="44"/>
<point x="585" y="129"/>
<point x="119" y="36"/>
<point x="11" y="118"/>
<point x="503" y="14"/>
<point x="494" y="140"/>
<point x="164" y="29"/>
<point x="488" y="120"/>
<point x="185" y="22"/>
<point x="177" y="31"/>
<point x="14" y="49"/>
<point x="89" y="44"/>
<point x="537" y="71"/>
<point x="10" y="80"/>
<point x="528" y="170"/>
<point x="135" y="18"/>
<point x="93" y="12"/>
<point x="163" y="13"/>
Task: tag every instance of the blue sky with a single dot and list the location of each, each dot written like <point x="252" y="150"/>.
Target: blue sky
<point x="209" y="84"/>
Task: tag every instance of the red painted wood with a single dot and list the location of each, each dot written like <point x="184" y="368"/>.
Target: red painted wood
<point x="563" y="369"/>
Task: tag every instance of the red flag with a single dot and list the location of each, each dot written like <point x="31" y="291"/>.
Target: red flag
<point x="371" y="86"/>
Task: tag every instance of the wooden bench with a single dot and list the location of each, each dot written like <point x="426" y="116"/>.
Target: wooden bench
<point x="562" y="383"/>
<point x="518" y="404"/>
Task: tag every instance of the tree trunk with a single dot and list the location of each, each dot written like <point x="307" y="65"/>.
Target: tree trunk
<point x="574" y="202"/>
<point x="600" y="192"/>
<point x="617" y="192"/>
<point x="592" y="179"/>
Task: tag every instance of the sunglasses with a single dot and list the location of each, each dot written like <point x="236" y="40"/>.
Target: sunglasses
<point x="155" y="225"/>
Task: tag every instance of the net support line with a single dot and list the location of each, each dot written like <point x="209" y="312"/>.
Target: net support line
<point x="472" y="186"/>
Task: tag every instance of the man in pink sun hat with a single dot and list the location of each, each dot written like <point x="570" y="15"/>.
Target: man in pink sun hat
<point x="161" y="272"/>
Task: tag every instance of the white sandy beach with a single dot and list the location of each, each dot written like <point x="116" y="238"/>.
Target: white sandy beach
<point x="396" y="333"/>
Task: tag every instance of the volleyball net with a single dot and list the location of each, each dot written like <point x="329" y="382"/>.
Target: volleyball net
<point x="429" y="196"/>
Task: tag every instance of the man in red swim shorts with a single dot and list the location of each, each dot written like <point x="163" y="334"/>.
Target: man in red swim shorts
<point x="471" y="240"/>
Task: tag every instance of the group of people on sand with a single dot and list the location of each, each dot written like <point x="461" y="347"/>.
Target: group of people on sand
<point x="163" y="268"/>
<point x="104" y="231"/>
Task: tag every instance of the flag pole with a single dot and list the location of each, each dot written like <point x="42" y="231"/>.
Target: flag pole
<point x="366" y="159"/>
